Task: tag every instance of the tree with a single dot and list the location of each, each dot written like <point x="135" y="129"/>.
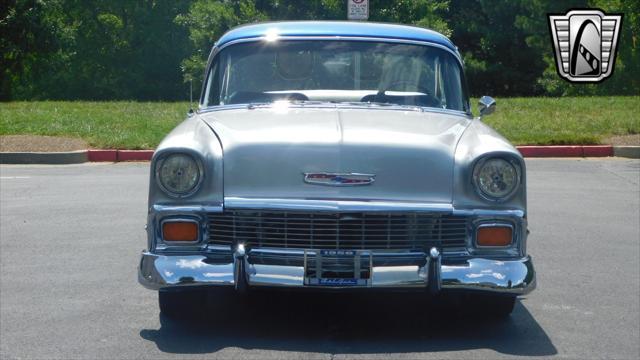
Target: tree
<point x="30" y="29"/>
<point x="90" y="49"/>
<point x="208" y="20"/>
<point x="147" y="49"/>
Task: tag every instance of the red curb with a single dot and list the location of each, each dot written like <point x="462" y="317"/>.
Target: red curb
<point x="102" y="155"/>
<point x="566" y="151"/>
<point x="551" y="151"/>
<point x="135" y="155"/>
<point x="598" y="150"/>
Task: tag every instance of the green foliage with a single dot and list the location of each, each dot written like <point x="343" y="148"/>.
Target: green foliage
<point x="148" y="49"/>
<point x="29" y="31"/>
<point x="93" y="49"/>
<point x="207" y="21"/>
<point x="115" y="125"/>
<point x="566" y="120"/>
<point x="141" y="125"/>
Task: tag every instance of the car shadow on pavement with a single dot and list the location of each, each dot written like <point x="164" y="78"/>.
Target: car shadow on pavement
<point x="353" y="323"/>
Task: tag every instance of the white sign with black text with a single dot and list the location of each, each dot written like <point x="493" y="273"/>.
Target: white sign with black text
<point x="358" y="9"/>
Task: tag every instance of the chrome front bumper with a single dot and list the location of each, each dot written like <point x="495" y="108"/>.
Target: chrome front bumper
<point x="239" y="270"/>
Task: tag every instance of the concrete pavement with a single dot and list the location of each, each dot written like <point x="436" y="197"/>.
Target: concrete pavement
<point x="70" y="238"/>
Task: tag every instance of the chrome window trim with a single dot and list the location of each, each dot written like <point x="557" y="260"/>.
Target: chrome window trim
<point x="216" y="49"/>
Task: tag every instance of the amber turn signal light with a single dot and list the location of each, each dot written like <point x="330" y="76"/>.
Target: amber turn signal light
<point x="494" y="236"/>
<point x="180" y="231"/>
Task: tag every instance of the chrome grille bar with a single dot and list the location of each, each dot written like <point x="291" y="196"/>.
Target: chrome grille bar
<point x="320" y="230"/>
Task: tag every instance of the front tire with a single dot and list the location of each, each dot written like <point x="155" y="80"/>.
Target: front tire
<point x="180" y="303"/>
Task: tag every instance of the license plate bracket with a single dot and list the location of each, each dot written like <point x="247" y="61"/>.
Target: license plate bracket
<point x="339" y="268"/>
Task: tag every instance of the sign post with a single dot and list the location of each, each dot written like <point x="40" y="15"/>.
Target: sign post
<point x="358" y="9"/>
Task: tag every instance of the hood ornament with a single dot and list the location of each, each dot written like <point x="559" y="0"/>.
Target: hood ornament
<point x="339" y="179"/>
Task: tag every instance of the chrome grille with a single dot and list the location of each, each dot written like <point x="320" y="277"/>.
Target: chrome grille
<point x="322" y="230"/>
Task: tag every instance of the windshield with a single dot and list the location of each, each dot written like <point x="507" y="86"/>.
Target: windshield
<point x="336" y="71"/>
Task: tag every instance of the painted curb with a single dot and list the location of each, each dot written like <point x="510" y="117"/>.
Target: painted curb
<point x="566" y="151"/>
<point x="135" y="155"/>
<point x="627" y="151"/>
<point x="69" y="157"/>
<point x="103" y="155"/>
<point x="98" y="155"/>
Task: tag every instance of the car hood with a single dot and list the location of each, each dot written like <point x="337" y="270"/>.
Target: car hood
<point x="267" y="151"/>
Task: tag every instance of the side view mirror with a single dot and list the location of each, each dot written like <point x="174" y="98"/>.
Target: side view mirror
<point x="486" y="105"/>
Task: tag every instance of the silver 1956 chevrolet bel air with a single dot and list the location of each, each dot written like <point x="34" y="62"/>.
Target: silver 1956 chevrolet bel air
<point x="337" y="156"/>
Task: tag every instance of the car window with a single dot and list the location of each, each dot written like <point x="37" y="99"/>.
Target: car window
<point x="337" y="71"/>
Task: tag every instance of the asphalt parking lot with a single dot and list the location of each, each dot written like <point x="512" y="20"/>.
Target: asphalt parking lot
<point x="70" y="238"/>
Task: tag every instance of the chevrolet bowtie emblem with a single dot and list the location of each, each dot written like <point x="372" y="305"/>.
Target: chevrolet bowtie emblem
<point x="585" y="44"/>
<point x="339" y="179"/>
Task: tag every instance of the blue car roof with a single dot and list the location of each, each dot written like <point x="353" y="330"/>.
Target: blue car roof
<point x="336" y="28"/>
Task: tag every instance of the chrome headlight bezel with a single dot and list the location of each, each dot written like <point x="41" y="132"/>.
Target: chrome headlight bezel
<point x="489" y="197"/>
<point x="179" y="195"/>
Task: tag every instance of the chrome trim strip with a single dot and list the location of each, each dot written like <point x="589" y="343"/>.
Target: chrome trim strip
<point x="218" y="248"/>
<point x="304" y="204"/>
<point x="186" y="208"/>
<point x="214" y="108"/>
<point x="332" y="205"/>
<point x="342" y="38"/>
<point x="489" y="213"/>
<point x="273" y="251"/>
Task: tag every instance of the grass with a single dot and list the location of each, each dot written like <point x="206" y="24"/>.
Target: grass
<point x="141" y="125"/>
<point x="557" y="121"/>
<point x="107" y="125"/>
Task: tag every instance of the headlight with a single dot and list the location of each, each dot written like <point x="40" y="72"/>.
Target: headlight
<point x="178" y="175"/>
<point x="496" y="178"/>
